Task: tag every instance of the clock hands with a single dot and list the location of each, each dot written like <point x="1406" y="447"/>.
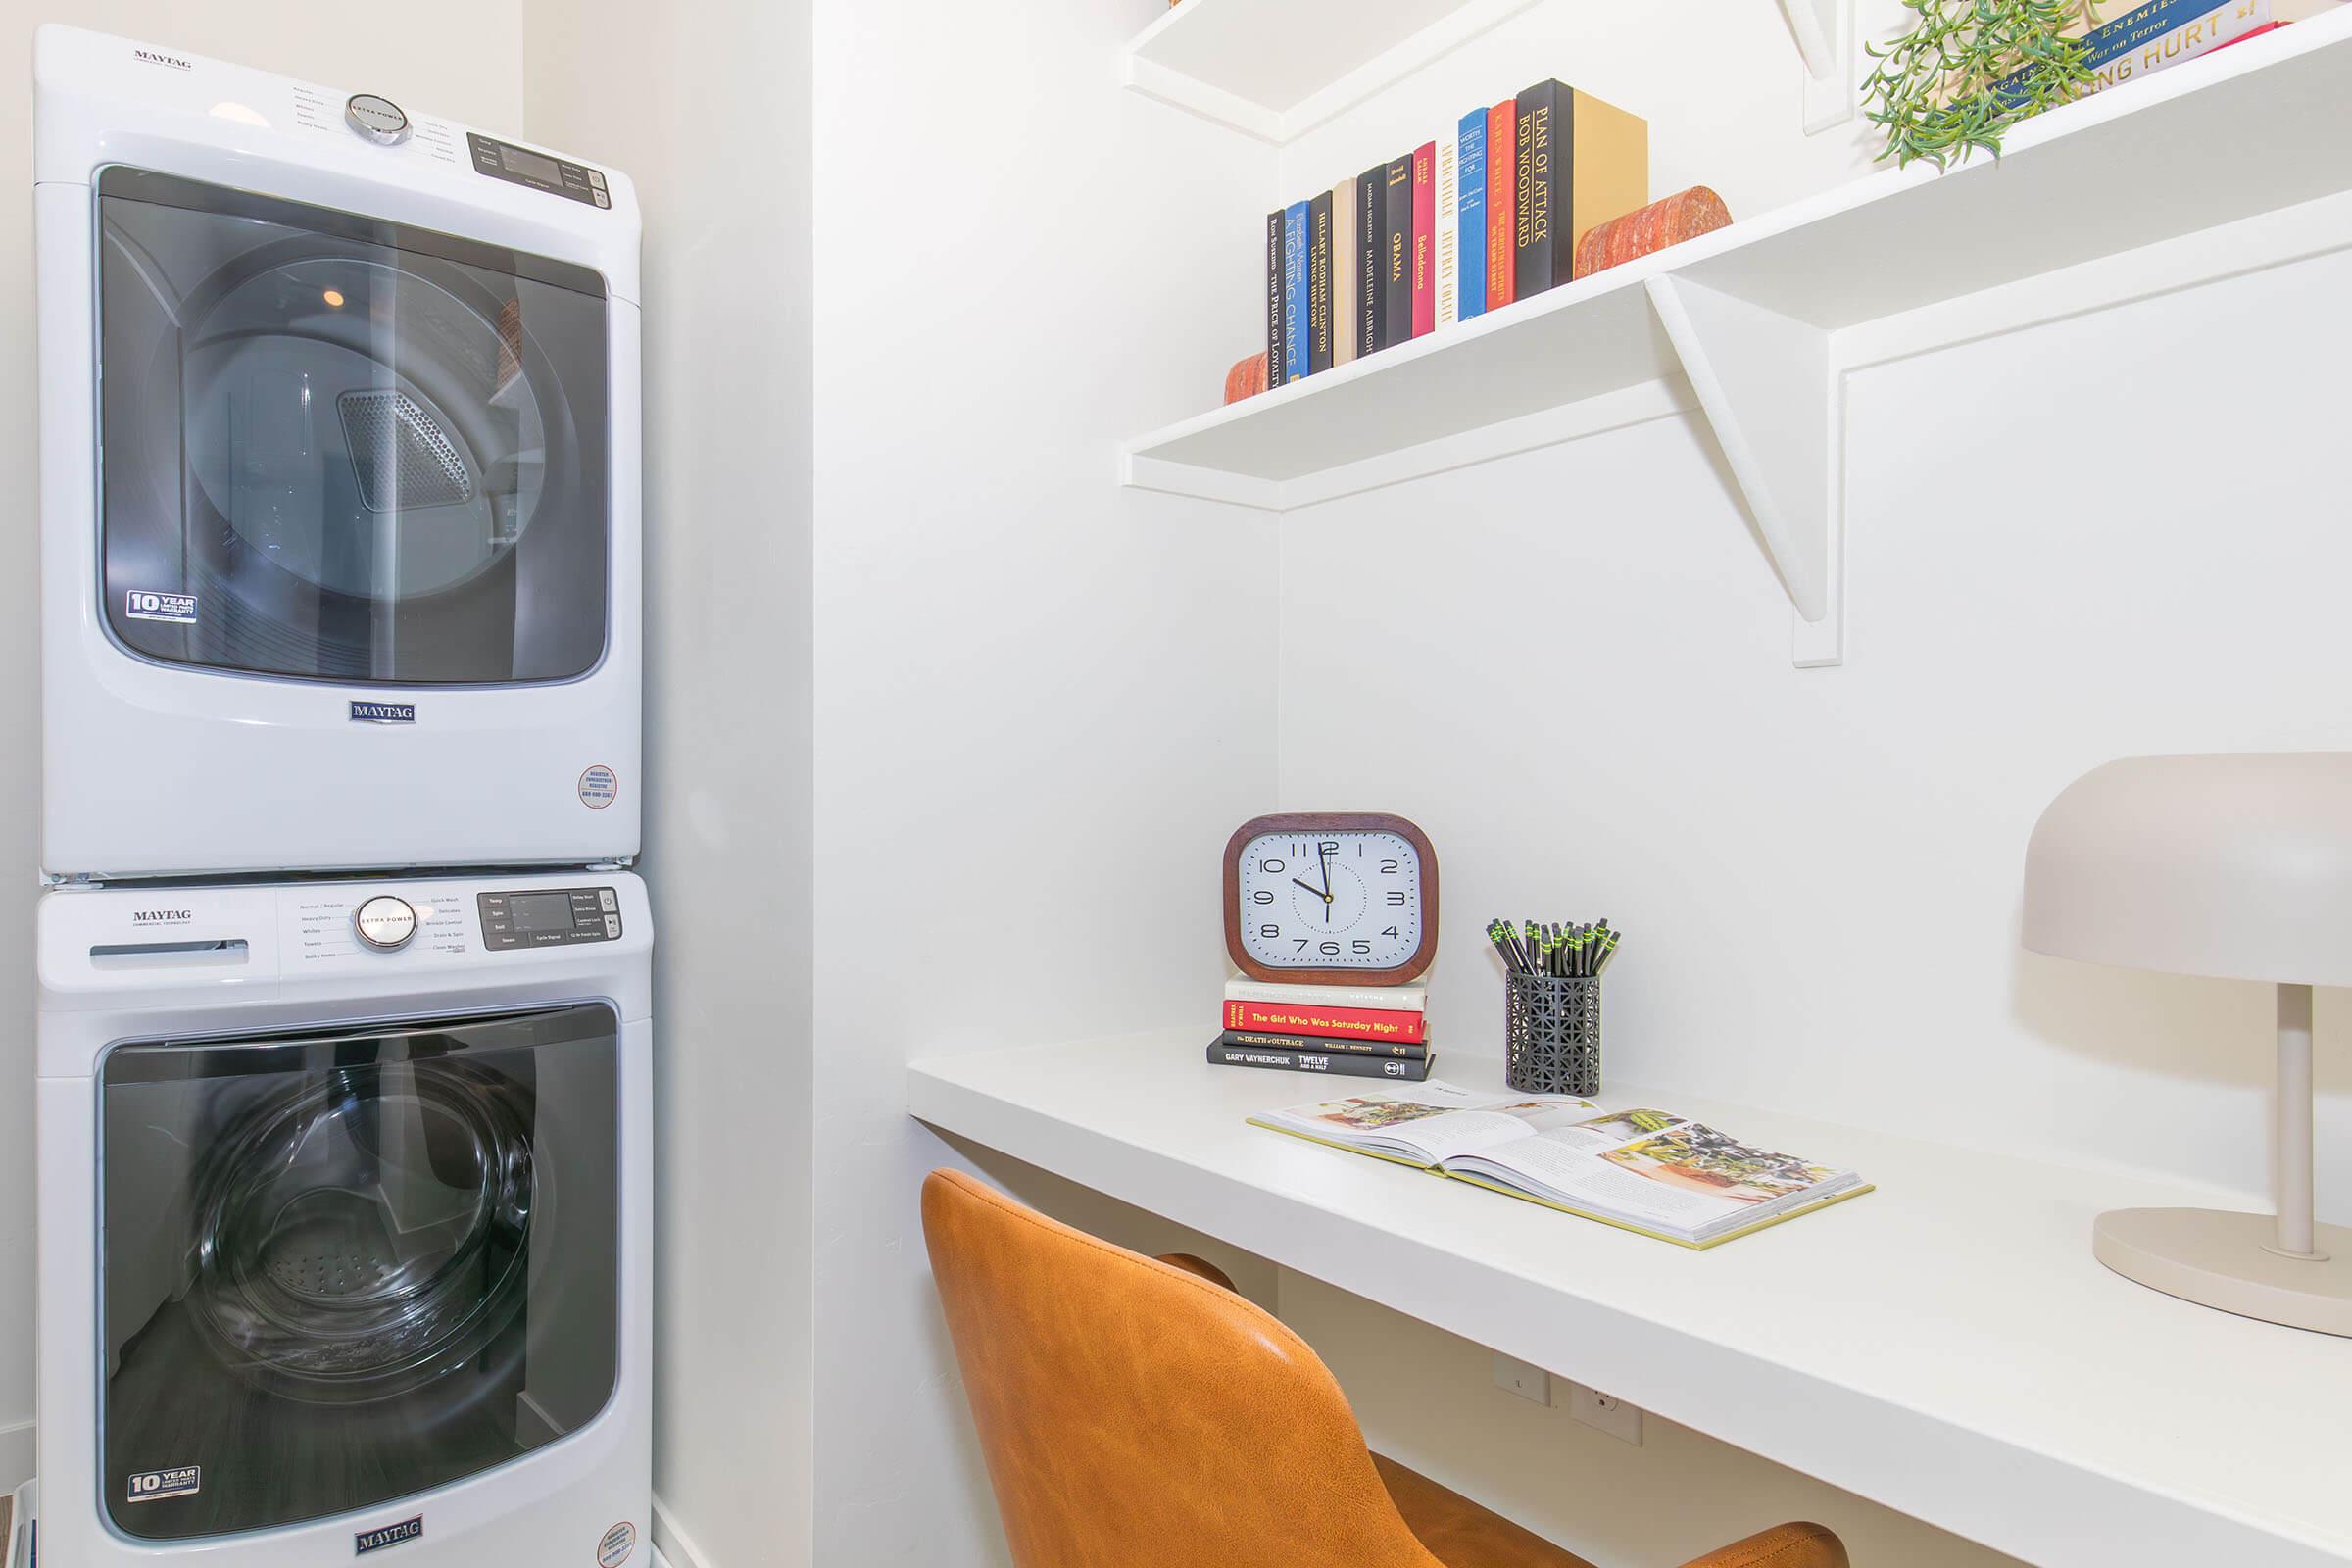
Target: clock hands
<point x="1312" y="888"/>
<point x="1323" y="858"/>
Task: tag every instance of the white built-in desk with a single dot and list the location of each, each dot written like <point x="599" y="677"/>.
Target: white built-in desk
<point x="1945" y="1344"/>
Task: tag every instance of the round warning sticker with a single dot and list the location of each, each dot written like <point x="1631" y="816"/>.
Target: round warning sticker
<point x="598" y="787"/>
<point x="617" y="1545"/>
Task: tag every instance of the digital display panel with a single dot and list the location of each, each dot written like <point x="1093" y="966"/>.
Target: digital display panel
<point x="530" y="166"/>
<point x="536" y="912"/>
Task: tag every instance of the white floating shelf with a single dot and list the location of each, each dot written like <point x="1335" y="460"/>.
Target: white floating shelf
<point x="1757" y="317"/>
<point x="1277" y="68"/>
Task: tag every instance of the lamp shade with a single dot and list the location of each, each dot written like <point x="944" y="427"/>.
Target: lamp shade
<point x="2234" y="865"/>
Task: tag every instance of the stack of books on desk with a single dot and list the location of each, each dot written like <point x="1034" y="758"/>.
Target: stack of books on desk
<point x="1354" y="1031"/>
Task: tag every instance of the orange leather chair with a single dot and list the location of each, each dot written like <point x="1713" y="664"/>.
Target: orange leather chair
<point x="1137" y="1413"/>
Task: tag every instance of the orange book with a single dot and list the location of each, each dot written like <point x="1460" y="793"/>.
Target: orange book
<point x="1502" y="173"/>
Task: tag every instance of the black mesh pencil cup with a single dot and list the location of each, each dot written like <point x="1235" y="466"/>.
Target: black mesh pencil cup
<point x="1551" y="1034"/>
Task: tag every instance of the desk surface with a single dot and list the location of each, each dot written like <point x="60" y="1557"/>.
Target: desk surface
<point x="1946" y="1346"/>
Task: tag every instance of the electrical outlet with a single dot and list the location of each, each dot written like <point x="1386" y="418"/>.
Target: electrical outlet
<point x="1526" y="1381"/>
<point x="1604" y="1412"/>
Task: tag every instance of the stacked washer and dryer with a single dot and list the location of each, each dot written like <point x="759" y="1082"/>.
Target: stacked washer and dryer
<point x="345" y="1002"/>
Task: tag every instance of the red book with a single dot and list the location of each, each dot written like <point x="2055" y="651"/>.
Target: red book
<point x="1378" y="1024"/>
<point x="1425" y="238"/>
<point x="1502" y="200"/>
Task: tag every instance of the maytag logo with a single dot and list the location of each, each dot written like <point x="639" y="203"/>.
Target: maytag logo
<point x="383" y="713"/>
<point x="162" y="917"/>
<point x="367" y="1541"/>
<point x="157" y="58"/>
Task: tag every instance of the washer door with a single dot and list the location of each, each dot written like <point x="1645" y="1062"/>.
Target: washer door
<point x="342" y="1269"/>
<point x="343" y="450"/>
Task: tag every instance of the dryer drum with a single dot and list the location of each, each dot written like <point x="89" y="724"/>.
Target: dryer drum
<point x="366" y="1233"/>
<point x="364" y="452"/>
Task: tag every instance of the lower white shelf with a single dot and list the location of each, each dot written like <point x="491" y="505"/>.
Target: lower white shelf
<point x="1946" y="1346"/>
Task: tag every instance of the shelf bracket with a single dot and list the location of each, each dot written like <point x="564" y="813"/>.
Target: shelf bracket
<point x="1767" y="385"/>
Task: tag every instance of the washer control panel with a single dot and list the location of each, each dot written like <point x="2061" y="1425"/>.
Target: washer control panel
<point x="520" y="166"/>
<point x="549" y="917"/>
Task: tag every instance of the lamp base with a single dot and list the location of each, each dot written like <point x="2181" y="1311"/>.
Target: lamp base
<point x="2217" y="1259"/>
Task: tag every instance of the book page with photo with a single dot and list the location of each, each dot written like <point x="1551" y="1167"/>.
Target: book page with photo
<point x="1640" y="1167"/>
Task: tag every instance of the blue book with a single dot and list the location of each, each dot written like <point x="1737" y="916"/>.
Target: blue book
<point x="1294" y="291"/>
<point x="1470" y="201"/>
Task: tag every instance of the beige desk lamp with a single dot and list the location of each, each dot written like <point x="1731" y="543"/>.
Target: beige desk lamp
<point x="2238" y="866"/>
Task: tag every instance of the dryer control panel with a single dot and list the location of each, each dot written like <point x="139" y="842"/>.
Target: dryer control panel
<point x="521" y="166"/>
<point x="549" y="917"/>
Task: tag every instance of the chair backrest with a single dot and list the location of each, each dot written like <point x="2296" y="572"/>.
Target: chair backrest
<point x="1135" y="1415"/>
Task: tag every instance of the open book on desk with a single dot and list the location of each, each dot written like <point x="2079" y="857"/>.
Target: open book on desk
<point x="1639" y="1169"/>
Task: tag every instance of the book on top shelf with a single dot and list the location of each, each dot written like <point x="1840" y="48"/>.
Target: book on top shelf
<point x="1640" y="1170"/>
<point x="1424" y="243"/>
<point x="1470" y="201"/>
<point x="1277" y="330"/>
<point x="1344" y="313"/>
<point x="1293" y="292"/>
<point x="1397" y="244"/>
<point x="1580" y="162"/>
<point x="1318" y="283"/>
<point x="1372" y="227"/>
<point x="1502" y="186"/>
<point x="1447" y="236"/>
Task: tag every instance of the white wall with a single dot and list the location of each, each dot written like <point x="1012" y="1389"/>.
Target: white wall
<point x="409" y="59"/>
<point x="1041" y="702"/>
<point x="2106" y="535"/>
<point x="708" y="112"/>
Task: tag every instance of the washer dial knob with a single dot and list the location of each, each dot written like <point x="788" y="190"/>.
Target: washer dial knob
<point x="385" y="922"/>
<point x="376" y="118"/>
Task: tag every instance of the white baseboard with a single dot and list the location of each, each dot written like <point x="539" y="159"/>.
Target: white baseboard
<point x="15" y="1455"/>
<point x="673" y="1547"/>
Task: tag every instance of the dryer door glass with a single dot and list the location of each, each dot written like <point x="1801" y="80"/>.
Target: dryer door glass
<point x="341" y="1269"/>
<point x="337" y="449"/>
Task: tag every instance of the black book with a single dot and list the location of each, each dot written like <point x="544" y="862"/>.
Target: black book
<point x="1318" y="283"/>
<point x="1396" y="254"/>
<point x="1338" y="1064"/>
<point x="1371" y="228"/>
<point x="1266" y="1041"/>
<point x="1545" y="114"/>
<point x="1276" y="328"/>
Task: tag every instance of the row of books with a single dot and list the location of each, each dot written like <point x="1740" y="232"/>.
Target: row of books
<point x="1353" y="1031"/>
<point x="2119" y="46"/>
<point x="1484" y="215"/>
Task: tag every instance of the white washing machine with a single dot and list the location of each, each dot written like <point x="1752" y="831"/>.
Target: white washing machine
<point x="344" y="1223"/>
<point x="339" y="479"/>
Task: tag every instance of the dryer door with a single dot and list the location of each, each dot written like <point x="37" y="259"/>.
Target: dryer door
<point x="338" y="449"/>
<point x="340" y="1269"/>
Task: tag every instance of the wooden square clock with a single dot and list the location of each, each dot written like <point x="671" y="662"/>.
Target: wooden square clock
<point x="1331" y="898"/>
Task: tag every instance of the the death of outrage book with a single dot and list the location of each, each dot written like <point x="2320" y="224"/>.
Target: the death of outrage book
<point x="1234" y="1048"/>
<point x="1644" y="1170"/>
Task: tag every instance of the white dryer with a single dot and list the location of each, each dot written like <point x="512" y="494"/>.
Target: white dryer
<point x="339" y="479"/>
<point x="344" y="1222"/>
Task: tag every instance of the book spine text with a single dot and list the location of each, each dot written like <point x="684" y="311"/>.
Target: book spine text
<point x="1425" y="235"/>
<point x="1471" y="199"/>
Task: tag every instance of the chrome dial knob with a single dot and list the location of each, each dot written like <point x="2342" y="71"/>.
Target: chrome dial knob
<point x="385" y="922"/>
<point x="378" y="119"/>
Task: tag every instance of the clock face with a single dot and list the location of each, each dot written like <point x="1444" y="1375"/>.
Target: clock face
<point x="1333" y="899"/>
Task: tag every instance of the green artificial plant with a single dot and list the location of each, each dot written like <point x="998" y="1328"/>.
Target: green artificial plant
<point x="1968" y="70"/>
